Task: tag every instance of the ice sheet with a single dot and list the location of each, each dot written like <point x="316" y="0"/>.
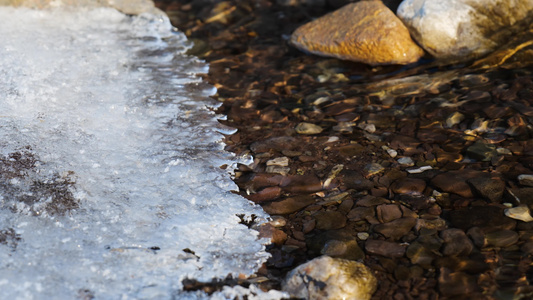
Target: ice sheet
<point x="110" y="183"/>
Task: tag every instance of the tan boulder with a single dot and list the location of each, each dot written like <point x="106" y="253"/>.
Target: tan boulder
<point x="331" y="278"/>
<point x="365" y="31"/>
<point x="132" y="7"/>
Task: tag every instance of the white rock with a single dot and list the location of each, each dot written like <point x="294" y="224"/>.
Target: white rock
<point x="454" y="119"/>
<point x="308" y="128"/>
<point x="331" y="278"/>
<point x="278" y="161"/>
<point x="462" y="29"/>
<point x="519" y="213"/>
<point x="525" y="179"/>
<point x="406" y="161"/>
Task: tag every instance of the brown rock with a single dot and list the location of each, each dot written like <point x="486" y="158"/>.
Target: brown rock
<point x="343" y="249"/>
<point x="384" y="248"/>
<point x="456" y="243"/>
<point x="412" y="186"/>
<point x="455" y="182"/>
<point x="365" y="31"/>
<point x="330" y="278"/>
<point x="288" y="205"/>
<point x="360" y="213"/>
<point x="481" y="216"/>
<point x="396" y="229"/>
<point x="327" y="220"/>
<point x="420" y="254"/>
<point x="487" y="187"/>
<point x="277" y="236"/>
<point x="269" y="193"/>
<point x="501" y="238"/>
<point x="388" y="212"/>
<point x="457" y="283"/>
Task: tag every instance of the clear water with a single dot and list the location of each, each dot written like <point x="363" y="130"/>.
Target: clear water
<point x="110" y="179"/>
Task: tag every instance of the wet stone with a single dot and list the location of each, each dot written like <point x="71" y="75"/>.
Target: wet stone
<point x="455" y="182"/>
<point x="456" y="283"/>
<point x="420" y="255"/>
<point x="454" y="119"/>
<point x="343" y="249"/>
<point x="385" y="248"/>
<point x="288" y="205"/>
<point x="368" y="201"/>
<point x="278" y="161"/>
<point x="524" y="195"/>
<point x="361" y="213"/>
<point x="373" y="169"/>
<point x="525" y="179"/>
<point x="501" y="238"/>
<point x="456" y="243"/>
<point x="366" y="32"/>
<point x="488" y="188"/>
<point x="396" y="229"/>
<point x="481" y="216"/>
<point x="330" y="278"/>
<point x="327" y="220"/>
<point x="410" y="186"/>
<point x="431" y="224"/>
<point x="521" y="213"/>
<point x="266" y="194"/>
<point x="308" y="128"/>
<point x="388" y="212"/>
<point x="481" y="151"/>
<point x="406" y="161"/>
<point x="356" y="181"/>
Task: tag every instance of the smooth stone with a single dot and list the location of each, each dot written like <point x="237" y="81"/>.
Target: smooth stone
<point x="308" y="128"/>
<point x="130" y="7"/>
<point x="288" y="205"/>
<point x="456" y="243"/>
<point x="406" y="161"/>
<point x="361" y="213"/>
<point x="456" y="283"/>
<point x="454" y="119"/>
<point x="481" y="151"/>
<point x="385" y="248"/>
<point x="275" y="235"/>
<point x="278" y="161"/>
<point x="330" y="278"/>
<point x="525" y="179"/>
<point x="327" y="220"/>
<point x="501" y="238"/>
<point x="277" y="170"/>
<point x="455" y="182"/>
<point x="463" y="29"/>
<point x="373" y="169"/>
<point x="365" y="31"/>
<point x="409" y="186"/>
<point x="487" y="187"/>
<point x="420" y="254"/>
<point x="388" y="212"/>
<point x="521" y="213"/>
<point x="395" y="229"/>
<point x="524" y="195"/>
<point x="343" y="249"/>
<point x="481" y="216"/>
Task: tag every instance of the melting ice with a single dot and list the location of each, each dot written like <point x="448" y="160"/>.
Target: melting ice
<point x="110" y="183"/>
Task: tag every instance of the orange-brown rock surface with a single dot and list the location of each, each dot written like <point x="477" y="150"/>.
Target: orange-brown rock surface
<point x="365" y="31"/>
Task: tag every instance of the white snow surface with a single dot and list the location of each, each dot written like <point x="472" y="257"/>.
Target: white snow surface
<point x="110" y="178"/>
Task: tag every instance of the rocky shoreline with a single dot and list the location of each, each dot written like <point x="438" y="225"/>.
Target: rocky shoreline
<point x="421" y="173"/>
